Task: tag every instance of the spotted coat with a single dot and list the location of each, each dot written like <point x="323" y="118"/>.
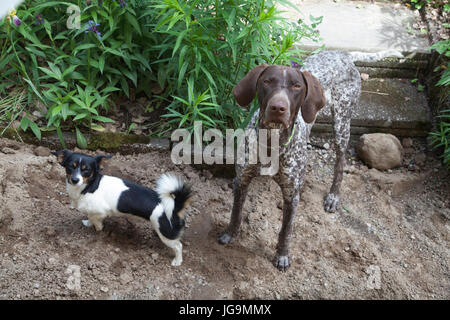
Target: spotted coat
<point x="341" y="83"/>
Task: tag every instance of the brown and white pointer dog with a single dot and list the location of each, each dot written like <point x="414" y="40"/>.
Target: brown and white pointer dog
<point x="289" y="99"/>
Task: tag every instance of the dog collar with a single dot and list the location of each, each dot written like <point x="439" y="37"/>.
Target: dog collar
<point x="290" y="137"/>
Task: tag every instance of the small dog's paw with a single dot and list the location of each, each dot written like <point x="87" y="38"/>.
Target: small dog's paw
<point x="86" y="223"/>
<point x="176" y="262"/>
<point x="225" y="238"/>
<point x="331" y="202"/>
<point x="282" y="263"/>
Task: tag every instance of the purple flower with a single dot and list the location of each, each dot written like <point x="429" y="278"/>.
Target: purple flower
<point x="294" y="64"/>
<point x="91" y="26"/>
<point x="17" y="21"/>
<point x="12" y="15"/>
<point x="39" y="19"/>
<point x="122" y="3"/>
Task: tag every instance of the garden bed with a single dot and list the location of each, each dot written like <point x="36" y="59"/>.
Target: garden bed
<point x="383" y="225"/>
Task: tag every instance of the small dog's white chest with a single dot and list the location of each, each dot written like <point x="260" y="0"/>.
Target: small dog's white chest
<point x="74" y="193"/>
<point x="103" y="200"/>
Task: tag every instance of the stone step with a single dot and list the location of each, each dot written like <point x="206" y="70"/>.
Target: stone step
<point x="413" y="66"/>
<point x="386" y="105"/>
<point x="394" y="68"/>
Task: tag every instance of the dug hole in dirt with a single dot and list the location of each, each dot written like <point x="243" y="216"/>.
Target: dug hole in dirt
<point x="389" y="240"/>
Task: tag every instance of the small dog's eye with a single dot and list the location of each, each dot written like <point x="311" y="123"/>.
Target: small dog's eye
<point x="297" y="86"/>
<point x="74" y="164"/>
<point x="267" y="81"/>
<point x="83" y="167"/>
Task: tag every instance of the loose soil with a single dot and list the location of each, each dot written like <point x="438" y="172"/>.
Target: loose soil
<point x="389" y="240"/>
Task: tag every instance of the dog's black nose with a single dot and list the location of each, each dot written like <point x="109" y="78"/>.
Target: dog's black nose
<point x="74" y="180"/>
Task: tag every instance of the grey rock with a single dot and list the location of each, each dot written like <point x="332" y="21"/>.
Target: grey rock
<point x="7" y="150"/>
<point x="380" y="150"/>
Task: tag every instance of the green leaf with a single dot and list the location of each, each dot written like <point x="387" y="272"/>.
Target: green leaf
<point x="81" y="140"/>
<point x="34" y="127"/>
<point x="179" y="39"/>
<point x="65" y="111"/>
<point x="181" y="74"/>
<point x="80" y="116"/>
<point x="132" y="75"/>
<point x="101" y="63"/>
<point x="141" y="59"/>
<point x="84" y="47"/>
<point x="80" y="103"/>
<point x="132" y="20"/>
<point x="35" y="51"/>
<point x="124" y="85"/>
<point x="61" y="137"/>
<point x="103" y="119"/>
<point x="97" y="127"/>
<point x="209" y="76"/>
<point x="50" y="73"/>
<point x="48" y="29"/>
<point x="69" y="70"/>
<point x="24" y="123"/>
<point x="34" y="89"/>
<point x="110" y="89"/>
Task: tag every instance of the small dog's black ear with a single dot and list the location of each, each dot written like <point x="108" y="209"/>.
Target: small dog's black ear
<point x="101" y="159"/>
<point x="62" y="155"/>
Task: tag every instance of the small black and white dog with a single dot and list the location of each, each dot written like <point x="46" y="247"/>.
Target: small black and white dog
<point x="100" y="196"/>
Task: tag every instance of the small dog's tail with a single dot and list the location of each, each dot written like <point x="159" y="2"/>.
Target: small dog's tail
<point x="174" y="194"/>
<point x="369" y="57"/>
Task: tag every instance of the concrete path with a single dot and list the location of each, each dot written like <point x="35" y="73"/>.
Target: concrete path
<point x="361" y="25"/>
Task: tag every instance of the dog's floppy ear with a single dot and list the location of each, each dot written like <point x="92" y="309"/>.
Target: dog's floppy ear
<point x="245" y="90"/>
<point x="62" y="155"/>
<point x="314" y="100"/>
<point x="101" y="159"/>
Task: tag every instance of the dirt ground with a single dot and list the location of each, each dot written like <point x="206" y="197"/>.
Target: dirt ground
<point x="390" y="239"/>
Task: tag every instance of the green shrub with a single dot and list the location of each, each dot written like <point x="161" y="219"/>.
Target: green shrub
<point x="441" y="137"/>
<point x="419" y="4"/>
<point x="212" y="44"/>
<point x="122" y="46"/>
<point x="72" y="71"/>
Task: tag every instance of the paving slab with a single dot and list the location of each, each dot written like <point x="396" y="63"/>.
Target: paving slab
<point x="361" y="26"/>
<point x="386" y="105"/>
